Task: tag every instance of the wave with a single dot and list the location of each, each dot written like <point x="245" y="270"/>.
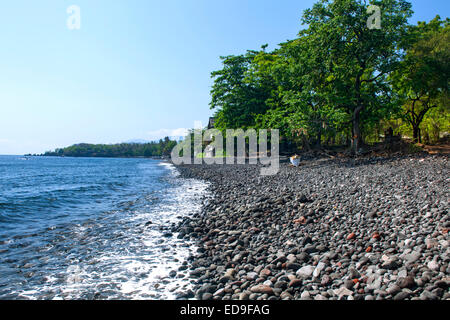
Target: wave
<point x="111" y="247"/>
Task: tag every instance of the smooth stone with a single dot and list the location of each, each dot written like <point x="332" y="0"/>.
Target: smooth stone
<point x="244" y="296"/>
<point x="427" y="295"/>
<point x="433" y="265"/>
<point x="305" y="272"/>
<point x="320" y="266"/>
<point x="412" y="257"/>
<point x="390" y="262"/>
<point x="401" y="295"/>
<point x="252" y="276"/>
<point x="393" y="289"/>
<point x="343" y="291"/>
<point x="207" y="296"/>
<point x="286" y="296"/>
<point x="402" y="274"/>
<point x="172" y="274"/>
<point x="406" y="282"/>
<point x="305" y="295"/>
<point x="293" y="266"/>
<point x="262" y="289"/>
<point x="295" y="283"/>
<point x="354" y="274"/>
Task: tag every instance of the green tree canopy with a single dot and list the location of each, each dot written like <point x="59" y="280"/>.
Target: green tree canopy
<point x="422" y="79"/>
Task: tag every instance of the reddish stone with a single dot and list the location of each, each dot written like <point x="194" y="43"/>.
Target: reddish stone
<point x="265" y="272"/>
<point x="262" y="289"/>
<point x="301" y="220"/>
<point x="376" y="236"/>
<point x="369" y="249"/>
<point x="351" y="236"/>
<point x="295" y="283"/>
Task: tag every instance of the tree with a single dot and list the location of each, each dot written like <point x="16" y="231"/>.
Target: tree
<point x="358" y="59"/>
<point x="237" y="98"/>
<point x="422" y="78"/>
<point x="305" y="87"/>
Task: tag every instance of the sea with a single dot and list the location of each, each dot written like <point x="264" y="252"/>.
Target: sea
<point x="93" y="228"/>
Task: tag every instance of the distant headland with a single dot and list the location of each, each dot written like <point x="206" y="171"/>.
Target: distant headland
<point x="161" y="148"/>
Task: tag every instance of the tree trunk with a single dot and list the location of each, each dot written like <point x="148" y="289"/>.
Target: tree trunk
<point x="319" y="140"/>
<point x="356" y="139"/>
<point x="426" y="138"/>
<point x="416" y="134"/>
<point x="305" y="143"/>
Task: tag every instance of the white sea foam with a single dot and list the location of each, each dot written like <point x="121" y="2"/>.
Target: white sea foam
<point x="127" y="260"/>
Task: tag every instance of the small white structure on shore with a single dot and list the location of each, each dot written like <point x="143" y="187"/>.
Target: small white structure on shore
<point x="295" y="160"/>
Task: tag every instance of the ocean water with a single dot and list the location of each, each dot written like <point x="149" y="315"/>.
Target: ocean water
<point x="77" y="228"/>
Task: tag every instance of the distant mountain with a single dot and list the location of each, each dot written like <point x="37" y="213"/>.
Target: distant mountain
<point x="177" y="138"/>
<point x="142" y="141"/>
<point x="139" y="141"/>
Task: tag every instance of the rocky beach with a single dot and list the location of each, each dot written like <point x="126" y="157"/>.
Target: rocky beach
<point x="332" y="229"/>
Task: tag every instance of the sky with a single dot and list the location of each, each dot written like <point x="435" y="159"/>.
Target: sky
<point x="135" y="69"/>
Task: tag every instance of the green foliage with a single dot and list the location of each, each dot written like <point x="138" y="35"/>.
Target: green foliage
<point x="355" y="60"/>
<point x="422" y="77"/>
<point x="238" y="93"/>
<point x="122" y="150"/>
<point x="340" y="81"/>
<point x="436" y="122"/>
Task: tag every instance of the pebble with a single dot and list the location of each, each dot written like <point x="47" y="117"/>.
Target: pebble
<point x="390" y="262"/>
<point x="412" y="257"/>
<point x="262" y="289"/>
<point x="305" y="295"/>
<point x="343" y="291"/>
<point x="306" y="271"/>
<point x="295" y="283"/>
<point x="427" y="295"/>
<point x="351" y="236"/>
<point x="401" y="295"/>
<point x="318" y="269"/>
<point x="433" y="265"/>
<point x="406" y="282"/>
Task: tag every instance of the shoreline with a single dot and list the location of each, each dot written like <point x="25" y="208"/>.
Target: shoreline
<point x="331" y="229"/>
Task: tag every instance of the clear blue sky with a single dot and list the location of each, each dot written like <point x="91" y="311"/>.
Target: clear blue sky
<point x="137" y="69"/>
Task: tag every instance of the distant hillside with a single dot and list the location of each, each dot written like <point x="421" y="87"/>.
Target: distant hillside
<point x="152" y="149"/>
